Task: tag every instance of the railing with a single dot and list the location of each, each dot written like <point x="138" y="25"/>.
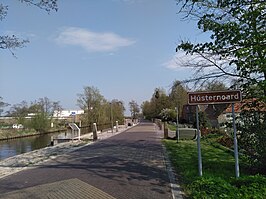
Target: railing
<point x="74" y="128"/>
<point x="101" y="127"/>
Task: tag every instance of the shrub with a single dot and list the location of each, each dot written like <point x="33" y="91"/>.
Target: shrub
<point x="250" y="186"/>
<point x="226" y="141"/>
<point x="40" y="122"/>
<point x="252" y="138"/>
<point x="244" y="187"/>
<point x="211" y="188"/>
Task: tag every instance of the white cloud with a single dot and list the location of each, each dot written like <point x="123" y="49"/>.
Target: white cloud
<point x="92" y="41"/>
<point x="182" y="60"/>
<point x="171" y="64"/>
<point x="198" y="65"/>
<point x="178" y="60"/>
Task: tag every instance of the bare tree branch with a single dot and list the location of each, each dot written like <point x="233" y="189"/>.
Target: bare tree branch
<point x="46" y="5"/>
<point x="12" y="42"/>
<point x="3" y="11"/>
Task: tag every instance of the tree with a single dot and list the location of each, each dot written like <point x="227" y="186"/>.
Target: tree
<point x="168" y="115"/>
<point x="215" y="86"/>
<point x="134" y="109"/>
<point x="158" y="102"/>
<point x="213" y="111"/>
<point x="118" y="110"/>
<point x="40" y="111"/>
<point x="237" y="42"/>
<point x="19" y="111"/>
<point x="47" y="106"/>
<point x="252" y="134"/>
<point x="146" y="107"/>
<point x="11" y="42"/>
<point x="2" y="105"/>
<point x="237" y="49"/>
<point x="40" y="122"/>
<point x="178" y="96"/>
<point x="93" y="104"/>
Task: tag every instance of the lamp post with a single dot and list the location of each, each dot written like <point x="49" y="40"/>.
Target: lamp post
<point x="177" y="130"/>
<point x="90" y="117"/>
<point x="112" y="122"/>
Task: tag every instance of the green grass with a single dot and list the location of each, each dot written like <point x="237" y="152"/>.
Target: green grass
<point x="7" y="133"/>
<point x="171" y="127"/>
<point x="218" y="180"/>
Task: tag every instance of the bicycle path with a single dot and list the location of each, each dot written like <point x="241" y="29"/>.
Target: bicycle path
<point x="129" y="165"/>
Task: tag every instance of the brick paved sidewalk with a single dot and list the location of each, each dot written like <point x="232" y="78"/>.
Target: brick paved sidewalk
<point x="126" y="166"/>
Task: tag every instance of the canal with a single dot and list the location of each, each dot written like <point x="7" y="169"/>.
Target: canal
<point x="13" y="147"/>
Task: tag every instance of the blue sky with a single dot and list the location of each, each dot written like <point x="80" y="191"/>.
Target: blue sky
<point x="125" y="48"/>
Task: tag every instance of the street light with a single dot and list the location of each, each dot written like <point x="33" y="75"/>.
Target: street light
<point x="177" y="130"/>
<point x="112" y="122"/>
<point x="89" y="116"/>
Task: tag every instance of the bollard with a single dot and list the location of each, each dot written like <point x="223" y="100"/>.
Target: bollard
<point x="52" y="140"/>
<point x="94" y="131"/>
<point x="116" y="124"/>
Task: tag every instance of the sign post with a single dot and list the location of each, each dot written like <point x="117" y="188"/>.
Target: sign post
<point x="235" y="142"/>
<point x="215" y="97"/>
<point x="198" y="142"/>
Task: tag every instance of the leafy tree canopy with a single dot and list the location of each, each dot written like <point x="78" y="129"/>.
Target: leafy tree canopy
<point x="134" y="108"/>
<point x="2" y="105"/>
<point x="237" y="46"/>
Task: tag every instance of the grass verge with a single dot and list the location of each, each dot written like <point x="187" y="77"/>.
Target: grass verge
<point x="218" y="180"/>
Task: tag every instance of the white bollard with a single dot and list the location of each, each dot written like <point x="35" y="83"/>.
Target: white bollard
<point x="116" y="124"/>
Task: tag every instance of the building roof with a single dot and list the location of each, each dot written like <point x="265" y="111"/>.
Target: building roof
<point x="247" y="105"/>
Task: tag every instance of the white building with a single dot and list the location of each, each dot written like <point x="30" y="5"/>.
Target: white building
<point x="67" y="113"/>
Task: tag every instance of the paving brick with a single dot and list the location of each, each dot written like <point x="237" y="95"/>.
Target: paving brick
<point x="68" y="189"/>
<point x="129" y="165"/>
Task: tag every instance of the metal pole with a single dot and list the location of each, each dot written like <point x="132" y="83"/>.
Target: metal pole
<point x="112" y="123"/>
<point x="235" y="142"/>
<point x="177" y="130"/>
<point x="198" y="142"/>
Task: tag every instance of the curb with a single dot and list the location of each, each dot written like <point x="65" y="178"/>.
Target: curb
<point x="176" y="190"/>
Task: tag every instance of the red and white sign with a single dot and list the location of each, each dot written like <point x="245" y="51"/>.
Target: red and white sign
<point x="215" y="97"/>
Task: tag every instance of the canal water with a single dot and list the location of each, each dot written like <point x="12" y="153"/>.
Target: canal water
<point x="9" y="148"/>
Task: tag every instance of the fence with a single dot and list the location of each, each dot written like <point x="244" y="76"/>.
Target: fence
<point x="101" y="127"/>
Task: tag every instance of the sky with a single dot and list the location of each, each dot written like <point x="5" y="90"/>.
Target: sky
<point x="125" y="48"/>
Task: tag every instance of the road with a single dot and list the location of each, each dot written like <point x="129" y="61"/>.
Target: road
<point x="126" y="166"/>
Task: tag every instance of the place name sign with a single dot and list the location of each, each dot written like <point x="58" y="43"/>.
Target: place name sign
<point x="214" y="97"/>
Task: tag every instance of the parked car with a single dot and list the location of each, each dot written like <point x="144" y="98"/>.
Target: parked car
<point x="17" y="126"/>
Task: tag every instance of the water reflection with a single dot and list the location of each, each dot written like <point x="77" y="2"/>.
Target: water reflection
<point x="9" y="148"/>
<point x="67" y="135"/>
